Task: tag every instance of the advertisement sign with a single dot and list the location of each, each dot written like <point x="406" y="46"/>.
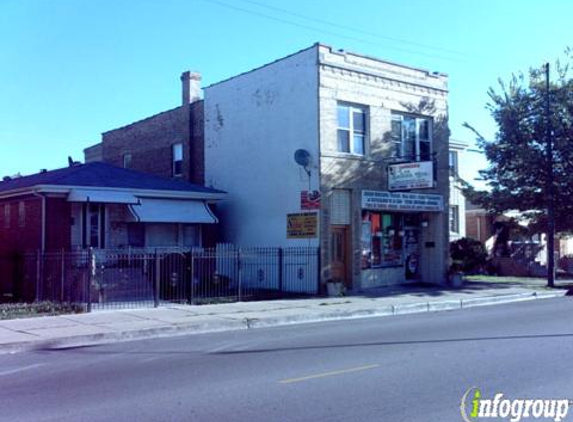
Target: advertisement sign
<point x="310" y="200"/>
<point x="404" y="201"/>
<point x="303" y="225"/>
<point x="418" y="175"/>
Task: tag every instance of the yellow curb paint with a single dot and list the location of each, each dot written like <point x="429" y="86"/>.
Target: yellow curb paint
<point x="328" y="374"/>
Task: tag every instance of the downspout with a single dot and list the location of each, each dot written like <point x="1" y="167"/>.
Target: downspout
<point x="43" y="234"/>
<point x="40" y="256"/>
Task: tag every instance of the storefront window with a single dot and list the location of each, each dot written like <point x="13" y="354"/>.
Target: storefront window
<point x="382" y="239"/>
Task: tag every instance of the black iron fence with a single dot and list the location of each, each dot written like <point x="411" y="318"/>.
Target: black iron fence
<point x="147" y="277"/>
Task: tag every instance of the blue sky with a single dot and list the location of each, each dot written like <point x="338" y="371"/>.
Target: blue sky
<point x="72" y="69"/>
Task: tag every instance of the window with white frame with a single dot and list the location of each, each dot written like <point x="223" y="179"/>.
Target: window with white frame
<point x="177" y="159"/>
<point x="351" y="129"/>
<point x="93" y="225"/>
<point x="454" y="218"/>
<point x="411" y="137"/>
<point x="453" y="162"/>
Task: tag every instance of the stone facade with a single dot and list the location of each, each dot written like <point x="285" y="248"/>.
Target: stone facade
<point x="382" y="88"/>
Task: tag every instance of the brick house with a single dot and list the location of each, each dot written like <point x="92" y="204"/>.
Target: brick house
<point x="338" y="150"/>
<point x="479" y="223"/>
<point x="168" y="144"/>
<point x="101" y="206"/>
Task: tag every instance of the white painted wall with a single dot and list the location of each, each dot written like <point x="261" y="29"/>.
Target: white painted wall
<point x="254" y="123"/>
<point x="456" y="195"/>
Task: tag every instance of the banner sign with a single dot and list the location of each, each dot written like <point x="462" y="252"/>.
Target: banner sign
<point x="310" y="200"/>
<point x="416" y="175"/>
<point x="303" y="225"/>
<point x="404" y="201"/>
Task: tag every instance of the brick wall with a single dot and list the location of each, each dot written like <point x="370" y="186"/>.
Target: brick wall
<point x="479" y="225"/>
<point x="149" y="142"/>
<point x="197" y="148"/>
<point x="93" y="153"/>
<point x="23" y="232"/>
<point x="58" y="224"/>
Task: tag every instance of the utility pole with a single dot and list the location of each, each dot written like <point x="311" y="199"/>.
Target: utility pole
<point x="550" y="177"/>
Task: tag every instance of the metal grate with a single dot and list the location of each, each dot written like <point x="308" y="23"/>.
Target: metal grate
<point x="126" y="278"/>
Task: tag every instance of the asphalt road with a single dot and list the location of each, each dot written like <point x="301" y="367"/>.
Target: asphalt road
<point x="407" y="368"/>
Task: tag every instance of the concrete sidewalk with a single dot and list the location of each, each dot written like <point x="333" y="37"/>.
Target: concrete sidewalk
<point x="110" y="326"/>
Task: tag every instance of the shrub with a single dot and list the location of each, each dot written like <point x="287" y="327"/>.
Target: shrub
<point x="23" y="310"/>
<point x="468" y="255"/>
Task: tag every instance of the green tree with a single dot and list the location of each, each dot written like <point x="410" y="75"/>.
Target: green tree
<point x="517" y="174"/>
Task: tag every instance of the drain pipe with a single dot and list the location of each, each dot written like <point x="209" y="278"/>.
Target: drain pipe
<point x="43" y="235"/>
<point x="40" y="253"/>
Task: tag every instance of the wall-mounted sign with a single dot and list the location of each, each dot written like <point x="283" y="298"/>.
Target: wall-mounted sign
<point x="303" y="225"/>
<point x="416" y="175"/>
<point x="310" y="200"/>
<point x="404" y="201"/>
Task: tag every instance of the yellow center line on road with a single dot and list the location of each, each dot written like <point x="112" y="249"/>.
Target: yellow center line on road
<point x="328" y="374"/>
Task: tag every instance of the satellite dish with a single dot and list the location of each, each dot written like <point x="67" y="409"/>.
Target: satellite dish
<point x="302" y="157"/>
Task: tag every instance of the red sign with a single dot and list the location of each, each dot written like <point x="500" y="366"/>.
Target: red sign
<point x="310" y="200"/>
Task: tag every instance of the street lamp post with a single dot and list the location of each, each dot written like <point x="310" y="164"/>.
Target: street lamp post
<point x="550" y="177"/>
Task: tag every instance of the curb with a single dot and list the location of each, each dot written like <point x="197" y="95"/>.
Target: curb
<point x="220" y="324"/>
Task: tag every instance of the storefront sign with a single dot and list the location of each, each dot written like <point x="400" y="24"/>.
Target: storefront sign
<point x="418" y="175"/>
<point x="310" y="200"/>
<point x="394" y="201"/>
<point x="302" y="225"/>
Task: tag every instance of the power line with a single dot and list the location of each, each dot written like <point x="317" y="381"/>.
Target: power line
<point x="319" y="30"/>
<point x="353" y="29"/>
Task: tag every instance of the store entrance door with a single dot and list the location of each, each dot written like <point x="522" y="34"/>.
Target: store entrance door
<point x="412" y="252"/>
<point x="340" y="255"/>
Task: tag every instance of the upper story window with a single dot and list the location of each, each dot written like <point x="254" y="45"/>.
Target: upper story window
<point x="412" y="137"/>
<point x="127" y="160"/>
<point x="177" y="159"/>
<point x="351" y="129"/>
<point x="453" y="162"/>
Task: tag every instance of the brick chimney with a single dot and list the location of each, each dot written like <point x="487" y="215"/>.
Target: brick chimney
<point x="190" y="87"/>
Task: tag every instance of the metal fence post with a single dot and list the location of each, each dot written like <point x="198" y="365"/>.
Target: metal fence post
<point x="38" y="275"/>
<point x="63" y="275"/>
<point x="91" y="276"/>
<point x="192" y="280"/>
<point x="157" y="280"/>
<point x="281" y="269"/>
<point x="239" y="272"/>
<point x="318" y="262"/>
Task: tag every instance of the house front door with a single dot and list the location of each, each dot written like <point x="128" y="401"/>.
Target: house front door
<point x="340" y="255"/>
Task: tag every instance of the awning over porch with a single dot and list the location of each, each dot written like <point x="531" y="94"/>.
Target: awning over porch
<point x="153" y="210"/>
<point x="102" y="196"/>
